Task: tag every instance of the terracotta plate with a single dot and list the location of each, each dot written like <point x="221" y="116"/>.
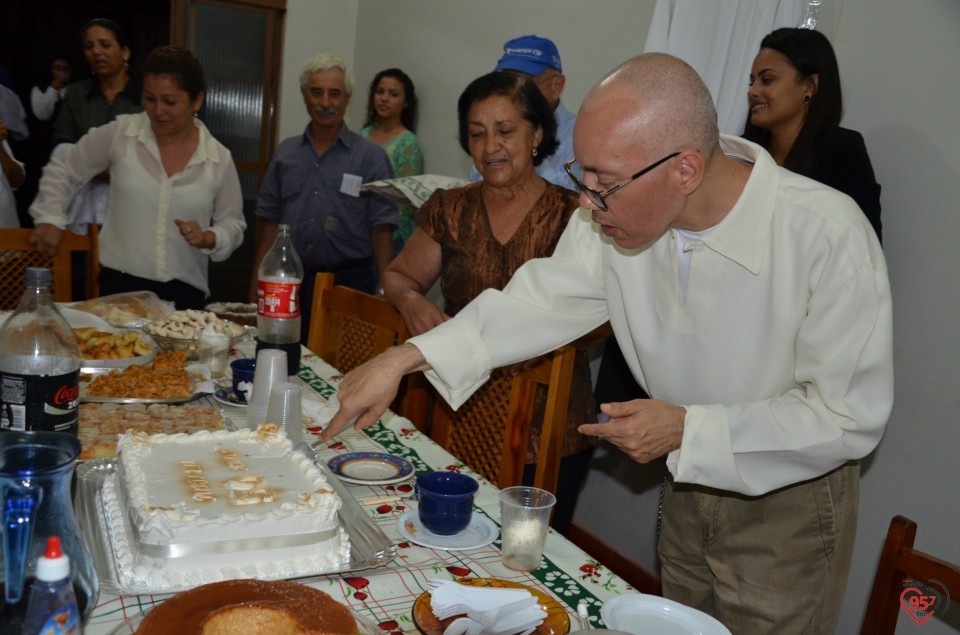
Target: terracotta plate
<point x="557" y="621"/>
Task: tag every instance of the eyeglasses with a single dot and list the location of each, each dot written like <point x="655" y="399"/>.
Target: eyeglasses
<point x="597" y="197"/>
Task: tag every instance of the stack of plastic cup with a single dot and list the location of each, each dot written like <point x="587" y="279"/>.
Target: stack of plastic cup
<point x="271" y="370"/>
<point x="284" y="409"/>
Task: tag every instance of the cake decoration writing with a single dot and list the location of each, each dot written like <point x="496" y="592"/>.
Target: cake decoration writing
<point x="231" y="458"/>
<point x="197" y="482"/>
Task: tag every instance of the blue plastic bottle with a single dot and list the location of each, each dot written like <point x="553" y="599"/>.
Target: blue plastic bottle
<point x="52" y="608"/>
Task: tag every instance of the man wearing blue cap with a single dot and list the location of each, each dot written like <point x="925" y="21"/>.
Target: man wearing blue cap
<point x="537" y="58"/>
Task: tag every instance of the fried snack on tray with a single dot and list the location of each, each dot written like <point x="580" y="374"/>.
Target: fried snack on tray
<point x="102" y="423"/>
<point x="188" y="324"/>
<point x="96" y="344"/>
<point x="165" y="378"/>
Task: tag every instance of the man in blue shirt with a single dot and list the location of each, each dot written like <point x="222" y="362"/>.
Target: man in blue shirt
<point x="537" y="59"/>
<point x="313" y="185"/>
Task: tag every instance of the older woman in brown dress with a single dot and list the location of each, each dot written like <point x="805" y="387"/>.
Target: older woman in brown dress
<point x="474" y="238"/>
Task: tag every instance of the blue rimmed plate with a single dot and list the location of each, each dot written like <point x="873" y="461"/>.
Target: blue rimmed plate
<point x="370" y="468"/>
<point x="229" y="398"/>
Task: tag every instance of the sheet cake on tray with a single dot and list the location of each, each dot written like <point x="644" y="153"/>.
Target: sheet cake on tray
<point x="183" y="510"/>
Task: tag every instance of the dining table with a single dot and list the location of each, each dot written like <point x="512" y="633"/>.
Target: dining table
<point x="386" y="595"/>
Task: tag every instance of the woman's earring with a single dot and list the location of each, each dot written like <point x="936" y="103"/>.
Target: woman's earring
<point x="806" y="100"/>
<point x="534" y="152"/>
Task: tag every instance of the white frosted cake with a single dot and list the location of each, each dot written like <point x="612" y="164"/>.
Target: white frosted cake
<point x="185" y="509"/>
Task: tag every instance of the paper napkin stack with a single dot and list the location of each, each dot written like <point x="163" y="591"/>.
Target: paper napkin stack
<point x="488" y="610"/>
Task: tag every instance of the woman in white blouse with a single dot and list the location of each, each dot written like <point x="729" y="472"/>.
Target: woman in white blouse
<point x="175" y="200"/>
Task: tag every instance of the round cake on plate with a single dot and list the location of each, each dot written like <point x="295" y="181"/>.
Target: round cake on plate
<point x="252" y="607"/>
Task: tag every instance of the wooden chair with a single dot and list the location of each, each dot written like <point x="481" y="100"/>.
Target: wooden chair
<point x="16" y="254"/>
<point x="899" y="562"/>
<point x="491" y="431"/>
<point x="348" y="327"/>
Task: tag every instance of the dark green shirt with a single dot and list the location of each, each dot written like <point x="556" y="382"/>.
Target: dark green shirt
<point x="85" y="107"/>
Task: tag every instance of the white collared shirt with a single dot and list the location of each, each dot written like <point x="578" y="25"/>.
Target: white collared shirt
<point x="781" y="354"/>
<point x="139" y="235"/>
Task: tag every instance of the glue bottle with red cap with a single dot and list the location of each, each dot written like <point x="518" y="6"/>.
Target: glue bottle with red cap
<point x="53" y="605"/>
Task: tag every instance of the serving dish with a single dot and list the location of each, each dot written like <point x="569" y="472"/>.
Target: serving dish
<point x="557" y="621"/>
<point x="239" y="312"/>
<point x="89" y="365"/>
<point x="102" y="424"/>
<point x="131" y="309"/>
<point x="192" y="346"/>
<point x="200" y="384"/>
<point x="129" y="625"/>
<point x="369" y="546"/>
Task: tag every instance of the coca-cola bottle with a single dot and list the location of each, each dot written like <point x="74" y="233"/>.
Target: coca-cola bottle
<point x="278" y="299"/>
<point x="39" y="363"/>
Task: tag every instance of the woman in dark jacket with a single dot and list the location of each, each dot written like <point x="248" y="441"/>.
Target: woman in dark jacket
<point x="795" y="110"/>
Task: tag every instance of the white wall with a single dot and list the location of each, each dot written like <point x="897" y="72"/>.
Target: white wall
<point x="899" y="63"/>
<point x="444" y="44"/>
<point x="311" y="27"/>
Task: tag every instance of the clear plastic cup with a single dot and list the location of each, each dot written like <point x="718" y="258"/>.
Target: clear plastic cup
<point x="285" y="408"/>
<point x="524" y="521"/>
<point x="214" y="351"/>
<point x="271" y="370"/>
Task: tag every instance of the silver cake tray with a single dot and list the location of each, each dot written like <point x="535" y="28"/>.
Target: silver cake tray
<point x="369" y="546"/>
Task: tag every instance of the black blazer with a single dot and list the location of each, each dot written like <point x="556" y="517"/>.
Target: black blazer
<point x="843" y="164"/>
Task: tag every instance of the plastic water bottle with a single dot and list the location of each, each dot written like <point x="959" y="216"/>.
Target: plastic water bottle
<point x="39" y="363"/>
<point x="278" y="299"/>
<point x="52" y="607"/>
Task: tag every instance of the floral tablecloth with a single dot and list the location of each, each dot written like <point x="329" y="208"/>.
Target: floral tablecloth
<point x="385" y="595"/>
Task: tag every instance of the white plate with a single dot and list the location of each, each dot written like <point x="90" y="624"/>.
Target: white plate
<point x="370" y="468"/>
<point x="643" y="614"/>
<point x="78" y="319"/>
<point x="479" y="533"/>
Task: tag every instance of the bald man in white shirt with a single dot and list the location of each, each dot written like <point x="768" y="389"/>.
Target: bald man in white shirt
<point x="751" y="303"/>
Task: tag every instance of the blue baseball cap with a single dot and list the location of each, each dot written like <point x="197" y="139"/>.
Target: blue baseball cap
<point x="529" y="54"/>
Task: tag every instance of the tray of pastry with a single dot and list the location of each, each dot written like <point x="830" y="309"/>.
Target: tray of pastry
<point x="102" y="423"/>
<point x="168" y="379"/>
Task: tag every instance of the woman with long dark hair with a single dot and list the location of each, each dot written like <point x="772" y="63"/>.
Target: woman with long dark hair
<point x="391" y="120"/>
<point x="795" y="108"/>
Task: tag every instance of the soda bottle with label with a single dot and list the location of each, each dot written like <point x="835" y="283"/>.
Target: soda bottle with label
<point x="39" y="363"/>
<point x="278" y="299"/>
